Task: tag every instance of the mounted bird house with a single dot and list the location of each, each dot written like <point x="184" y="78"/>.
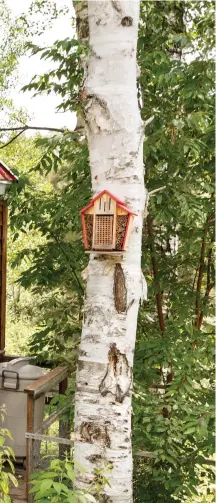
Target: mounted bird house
<point x="106" y="223"/>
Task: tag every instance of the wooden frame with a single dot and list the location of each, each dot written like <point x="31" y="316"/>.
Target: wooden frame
<point x="34" y="391"/>
<point x="3" y="269"/>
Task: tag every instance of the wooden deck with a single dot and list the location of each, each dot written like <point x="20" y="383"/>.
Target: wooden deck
<point x="18" y="494"/>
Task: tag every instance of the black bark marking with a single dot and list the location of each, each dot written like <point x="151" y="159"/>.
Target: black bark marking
<point x="94" y="433"/>
<point x="96" y="100"/>
<point x="127" y="21"/>
<point x="116" y="5"/>
<point x="130" y="304"/>
<point x="117" y="369"/>
<point x="120" y="290"/>
<point x="81" y="365"/>
<point x="82" y="27"/>
<point x="82" y="353"/>
<point x="95" y="458"/>
<point x="93" y="53"/>
<point x="100" y="258"/>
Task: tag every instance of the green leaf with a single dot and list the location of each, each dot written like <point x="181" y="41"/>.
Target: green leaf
<point x="71" y="498"/>
<point x="59" y="487"/>
<point x="45" y="485"/>
<point x="89" y="497"/>
<point x="190" y="430"/>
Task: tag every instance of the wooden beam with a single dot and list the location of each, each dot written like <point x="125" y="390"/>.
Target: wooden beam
<point x="64" y="424"/>
<point x="29" y="444"/>
<point x="52" y="418"/>
<point x="47" y="438"/>
<point x="47" y="382"/>
<point x="3" y="267"/>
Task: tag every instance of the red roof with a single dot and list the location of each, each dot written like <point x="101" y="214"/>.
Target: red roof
<point x="6" y="174"/>
<point x="120" y="203"/>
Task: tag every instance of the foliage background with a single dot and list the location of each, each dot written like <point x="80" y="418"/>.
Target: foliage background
<point x="173" y="372"/>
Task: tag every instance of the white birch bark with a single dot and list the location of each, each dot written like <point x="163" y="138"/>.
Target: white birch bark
<point x="114" y="285"/>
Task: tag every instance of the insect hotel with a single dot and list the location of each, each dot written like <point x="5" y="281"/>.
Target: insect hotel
<point x="106" y="223"/>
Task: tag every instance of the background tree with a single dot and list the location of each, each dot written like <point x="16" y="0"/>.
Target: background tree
<point x="172" y="409"/>
<point x="11" y="48"/>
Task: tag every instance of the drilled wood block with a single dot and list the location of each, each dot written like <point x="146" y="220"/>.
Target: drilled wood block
<point x="120" y="230"/>
<point x="89" y="229"/>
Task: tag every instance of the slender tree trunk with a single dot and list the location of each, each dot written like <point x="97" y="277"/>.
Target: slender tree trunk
<point x="114" y="284"/>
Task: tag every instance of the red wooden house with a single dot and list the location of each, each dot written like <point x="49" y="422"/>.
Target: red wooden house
<point x="6" y="178"/>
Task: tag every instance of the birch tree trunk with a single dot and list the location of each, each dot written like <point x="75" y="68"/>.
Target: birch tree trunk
<point x="114" y="284"/>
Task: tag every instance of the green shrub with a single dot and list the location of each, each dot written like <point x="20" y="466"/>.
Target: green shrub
<point x="6" y="457"/>
<point x="56" y="485"/>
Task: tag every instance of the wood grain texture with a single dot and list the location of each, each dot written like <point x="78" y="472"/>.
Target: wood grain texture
<point x="47" y="382"/>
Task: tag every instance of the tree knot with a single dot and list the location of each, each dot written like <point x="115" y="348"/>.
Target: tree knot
<point x="127" y="21"/>
<point x="94" y="433"/>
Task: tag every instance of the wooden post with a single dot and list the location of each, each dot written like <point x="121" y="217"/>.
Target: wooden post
<point x="3" y="266"/>
<point x="64" y="426"/>
<point x="29" y="443"/>
<point x="63" y="386"/>
<point x="34" y="391"/>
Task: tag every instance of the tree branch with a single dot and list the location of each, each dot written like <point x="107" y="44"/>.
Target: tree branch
<point x="39" y="128"/>
<point x="200" y="273"/>
<point x="155" y="274"/>
<point x="22" y="129"/>
<point x="152" y="192"/>
<point x="159" y="302"/>
<point x="195" y="277"/>
<point x="11" y="141"/>
<point x="209" y="285"/>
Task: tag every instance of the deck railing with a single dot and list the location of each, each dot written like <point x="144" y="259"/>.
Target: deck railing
<point x="41" y="387"/>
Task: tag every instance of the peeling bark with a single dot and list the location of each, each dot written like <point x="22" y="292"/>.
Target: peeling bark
<point x="96" y="112"/>
<point x="82" y="31"/>
<point x="114" y="284"/>
<point x="120" y="290"/>
<point x="118" y="376"/>
<point x="82" y="25"/>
